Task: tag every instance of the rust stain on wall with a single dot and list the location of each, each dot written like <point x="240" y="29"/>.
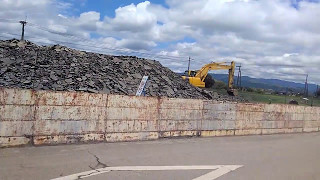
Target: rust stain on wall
<point x="47" y="117"/>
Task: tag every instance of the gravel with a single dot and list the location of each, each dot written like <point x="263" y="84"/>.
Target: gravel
<point x="24" y="64"/>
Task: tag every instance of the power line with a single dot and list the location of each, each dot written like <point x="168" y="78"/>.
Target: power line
<point x="99" y="48"/>
<point x="84" y="39"/>
<point x="9" y="20"/>
<point x="95" y="45"/>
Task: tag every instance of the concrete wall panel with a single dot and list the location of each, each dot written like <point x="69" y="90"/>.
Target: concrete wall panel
<point x="46" y="98"/>
<point x="168" y="134"/>
<point x="124" y="113"/>
<point x="211" y="125"/>
<point x="58" y="127"/>
<point x="311" y="117"/>
<point x="16" y="128"/>
<point x="276" y="116"/>
<point x="311" y="110"/>
<point x="248" y="124"/>
<point x="219" y="115"/>
<point x="297" y="117"/>
<point x="13" y="141"/>
<point x="273" y="124"/>
<point x="294" y="109"/>
<point x="17" y="97"/>
<point x="119" y="101"/>
<point x="69" y="113"/>
<point x="246" y="115"/>
<point x="310" y="124"/>
<point x="273" y="131"/>
<point x="172" y="125"/>
<point x="244" y="132"/>
<point x="131" y="126"/>
<point x="68" y="139"/>
<point x="169" y="103"/>
<point x="275" y="108"/>
<point x="294" y="124"/>
<point x="312" y="129"/>
<point x="251" y="107"/>
<point x="214" y="106"/>
<point x="179" y="114"/>
<point x="293" y="130"/>
<point x="46" y="117"/>
<point x="217" y="125"/>
<point x="217" y="133"/>
<point x="129" y="115"/>
<point x="16" y="112"/>
<point x="119" y="137"/>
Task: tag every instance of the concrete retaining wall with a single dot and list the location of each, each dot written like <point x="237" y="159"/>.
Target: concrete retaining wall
<point x="46" y="117"/>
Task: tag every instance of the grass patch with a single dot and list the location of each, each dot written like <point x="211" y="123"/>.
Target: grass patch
<point x="274" y="99"/>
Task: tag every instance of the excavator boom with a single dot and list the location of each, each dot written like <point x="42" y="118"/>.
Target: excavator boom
<point x="202" y="79"/>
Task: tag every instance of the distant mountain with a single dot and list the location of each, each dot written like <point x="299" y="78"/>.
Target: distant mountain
<point x="274" y="84"/>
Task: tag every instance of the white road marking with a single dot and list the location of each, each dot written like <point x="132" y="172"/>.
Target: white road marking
<point x="218" y="170"/>
<point x="217" y="173"/>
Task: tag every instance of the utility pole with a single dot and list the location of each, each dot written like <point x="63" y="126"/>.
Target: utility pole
<point x="23" y="23"/>
<point x="306" y="88"/>
<point x="239" y="76"/>
<point x="189" y="66"/>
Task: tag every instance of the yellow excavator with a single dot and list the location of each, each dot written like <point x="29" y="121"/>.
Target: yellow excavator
<point x="202" y="79"/>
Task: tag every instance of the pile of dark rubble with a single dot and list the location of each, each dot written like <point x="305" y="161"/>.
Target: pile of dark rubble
<point x="27" y="65"/>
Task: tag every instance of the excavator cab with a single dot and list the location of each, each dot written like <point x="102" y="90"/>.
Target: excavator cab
<point x="190" y="73"/>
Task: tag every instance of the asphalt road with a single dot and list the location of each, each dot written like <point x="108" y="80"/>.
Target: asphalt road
<point x="283" y="157"/>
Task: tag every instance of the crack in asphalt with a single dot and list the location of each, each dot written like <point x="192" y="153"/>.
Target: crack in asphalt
<point x="99" y="163"/>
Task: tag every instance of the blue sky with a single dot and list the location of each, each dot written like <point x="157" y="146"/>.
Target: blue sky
<point x="105" y="7"/>
<point x="108" y="7"/>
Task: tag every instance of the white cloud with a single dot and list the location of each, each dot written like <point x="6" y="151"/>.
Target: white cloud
<point x="136" y="44"/>
<point x="271" y="39"/>
<point x="22" y="4"/>
<point x="58" y="28"/>
<point x="132" y="18"/>
<point x="89" y="21"/>
<point x="89" y="16"/>
<point x="290" y="54"/>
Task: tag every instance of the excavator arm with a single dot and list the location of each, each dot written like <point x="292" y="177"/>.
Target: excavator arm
<point x="200" y="77"/>
<point x="203" y="72"/>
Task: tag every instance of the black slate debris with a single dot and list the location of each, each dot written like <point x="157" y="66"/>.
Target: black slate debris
<point x="24" y="64"/>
